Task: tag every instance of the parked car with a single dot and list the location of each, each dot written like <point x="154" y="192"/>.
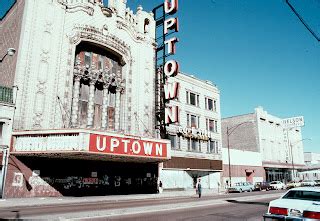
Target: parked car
<point x="302" y="203"/>
<point x="241" y="187"/>
<point x="277" y="185"/>
<point x="262" y="186"/>
<point x="308" y="183"/>
<point x="293" y="184"/>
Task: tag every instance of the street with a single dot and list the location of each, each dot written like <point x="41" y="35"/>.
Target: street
<point x="235" y="206"/>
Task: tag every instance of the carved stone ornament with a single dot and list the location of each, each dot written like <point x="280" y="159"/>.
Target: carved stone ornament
<point x="96" y="35"/>
<point x="112" y="81"/>
<point x="78" y="5"/>
<point x="106" y="11"/>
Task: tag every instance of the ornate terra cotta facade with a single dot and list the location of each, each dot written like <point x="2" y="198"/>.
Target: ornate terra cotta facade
<point x="84" y="69"/>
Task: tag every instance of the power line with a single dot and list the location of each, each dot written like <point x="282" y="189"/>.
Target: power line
<point x="302" y="21"/>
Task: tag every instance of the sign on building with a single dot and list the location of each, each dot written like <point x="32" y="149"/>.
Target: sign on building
<point x="165" y="91"/>
<point x="293" y="122"/>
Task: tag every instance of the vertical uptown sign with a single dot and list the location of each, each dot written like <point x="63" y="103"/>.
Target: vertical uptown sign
<point x="171" y="67"/>
<point x="166" y="90"/>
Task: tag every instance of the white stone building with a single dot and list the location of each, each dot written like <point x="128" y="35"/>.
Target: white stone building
<point x="312" y="159"/>
<point x="280" y="151"/>
<point x="196" y="139"/>
<point x="309" y="175"/>
<point x="69" y="53"/>
<point x="85" y="104"/>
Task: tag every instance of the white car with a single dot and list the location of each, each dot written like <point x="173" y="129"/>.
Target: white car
<point x="277" y="185"/>
<point x="293" y="184"/>
<point x="299" y="204"/>
<point x="308" y="183"/>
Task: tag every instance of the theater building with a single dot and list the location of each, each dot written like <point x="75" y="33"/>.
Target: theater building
<point x="85" y="116"/>
<point x="196" y="139"/>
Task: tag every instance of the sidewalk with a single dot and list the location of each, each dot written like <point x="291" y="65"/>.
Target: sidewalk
<point x="26" y="202"/>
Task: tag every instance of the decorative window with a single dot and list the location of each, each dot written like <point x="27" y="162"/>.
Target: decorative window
<point x="89" y="60"/>
<point x="98" y="99"/>
<point x="210" y="104"/>
<point x="83" y="104"/>
<point x="212" y="125"/>
<point x="192" y="98"/>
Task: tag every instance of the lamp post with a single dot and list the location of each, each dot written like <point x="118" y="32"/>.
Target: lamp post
<point x="230" y="130"/>
<point x="10" y="52"/>
<point x="291" y="146"/>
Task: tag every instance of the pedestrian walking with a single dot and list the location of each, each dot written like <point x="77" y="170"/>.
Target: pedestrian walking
<point x="199" y="188"/>
<point x="160" y="187"/>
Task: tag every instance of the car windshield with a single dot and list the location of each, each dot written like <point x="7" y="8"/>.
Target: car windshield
<point x="303" y="195"/>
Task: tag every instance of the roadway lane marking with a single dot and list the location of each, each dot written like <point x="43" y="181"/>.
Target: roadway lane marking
<point x="181" y="206"/>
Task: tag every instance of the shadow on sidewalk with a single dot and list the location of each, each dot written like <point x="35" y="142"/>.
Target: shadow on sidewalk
<point x="248" y="202"/>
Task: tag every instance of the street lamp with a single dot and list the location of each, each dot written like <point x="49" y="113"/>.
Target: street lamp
<point x="10" y="52"/>
<point x="230" y="130"/>
<point x="291" y="145"/>
<point x="5" y="156"/>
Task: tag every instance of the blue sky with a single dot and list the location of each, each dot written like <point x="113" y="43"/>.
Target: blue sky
<point x="258" y="54"/>
<point x="5" y="6"/>
<point x="256" y="51"/>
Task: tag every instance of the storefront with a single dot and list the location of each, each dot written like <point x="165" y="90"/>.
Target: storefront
<point x="83" y="162"/>
<point x="196" y="139"/>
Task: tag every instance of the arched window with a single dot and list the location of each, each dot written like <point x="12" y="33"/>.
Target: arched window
<point x="101" y="75"/>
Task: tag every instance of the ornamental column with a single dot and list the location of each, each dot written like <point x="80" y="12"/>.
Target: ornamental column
<point x="104" y="120"/>
<point x="75" y="101"/>
<point x="117" y="111"/>
<point x="91" y="103"/>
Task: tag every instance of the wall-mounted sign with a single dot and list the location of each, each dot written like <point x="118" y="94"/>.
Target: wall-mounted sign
<point x="194" y="133"/>
<point x="127" y="146"/>
<point x="166" y="25"/>
<point x="293" y="122"/>
<point x="171" y="67"/>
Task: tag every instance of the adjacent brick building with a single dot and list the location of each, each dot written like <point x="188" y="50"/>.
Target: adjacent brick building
<point x="260" y="148"/>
